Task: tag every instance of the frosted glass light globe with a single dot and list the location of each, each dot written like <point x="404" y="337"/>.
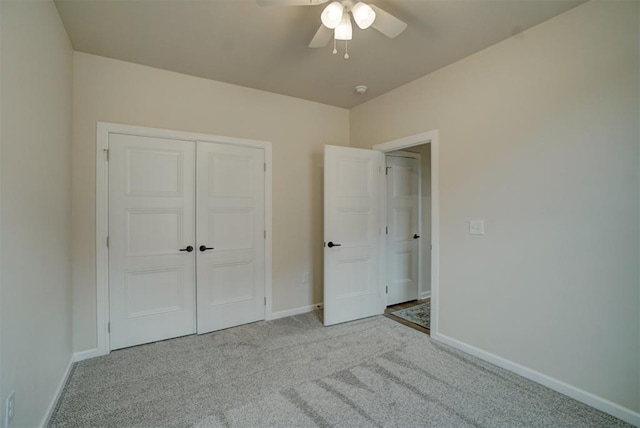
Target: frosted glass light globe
<point x="332" y="15"/>
<point x="363" y="14"/>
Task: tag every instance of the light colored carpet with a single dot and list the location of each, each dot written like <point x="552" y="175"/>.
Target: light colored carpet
<point x="293" y="372"/>
<point x="419" y="314"/>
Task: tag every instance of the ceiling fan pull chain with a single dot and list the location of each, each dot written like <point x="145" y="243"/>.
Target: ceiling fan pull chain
<point x="346" y="49"/>
<point x="335" y="51"/>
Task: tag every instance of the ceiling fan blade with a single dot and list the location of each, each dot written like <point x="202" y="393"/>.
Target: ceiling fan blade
<point x="322" y="37"/>
<point x="290" y="2"/>
<point x="386" y="23"/>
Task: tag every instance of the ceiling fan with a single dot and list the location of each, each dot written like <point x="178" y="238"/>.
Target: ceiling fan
<point x="336" y="20"/>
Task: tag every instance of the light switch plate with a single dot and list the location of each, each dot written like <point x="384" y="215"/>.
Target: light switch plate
<point x="476" y="227"/>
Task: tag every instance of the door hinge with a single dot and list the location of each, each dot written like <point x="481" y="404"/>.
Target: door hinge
<point x="108" y="327"/>
<point x="265" y="301"/>
<point x="107" y="242"/>
<point x="265" y="167"/>
<point x="107" y="153"/>
<point x="387" y="290"/>
<point x="265" y="234"/>
<point x="386" y="230"/>
<point x="386" y="170"/>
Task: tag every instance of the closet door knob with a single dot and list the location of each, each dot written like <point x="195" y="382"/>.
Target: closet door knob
<point x="331" y="245"/>
<point x="187" y="249"/>
<point x="416" y="236"/>
<point x="204" y="248"/>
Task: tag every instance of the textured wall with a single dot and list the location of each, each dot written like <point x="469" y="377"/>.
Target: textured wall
<point x="115" y="91"/>
<point x="538" y="137"/>
<point x="37" y="66"/>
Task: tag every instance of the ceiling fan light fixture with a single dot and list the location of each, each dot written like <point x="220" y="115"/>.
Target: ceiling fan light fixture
<point x="363" y="14"/>
<point x="344" y="31"/>
<point x="332" y="15"/>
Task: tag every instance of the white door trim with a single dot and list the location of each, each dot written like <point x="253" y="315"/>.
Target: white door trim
<point x="418" y="157"/>
<point x="429" y="137"/>
<point x="103" y="129"/>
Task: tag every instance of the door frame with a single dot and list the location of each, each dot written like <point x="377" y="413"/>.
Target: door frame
<point x="429" y="137"/>
<point x="103" y="130"/>
<point x="418" y="157"/>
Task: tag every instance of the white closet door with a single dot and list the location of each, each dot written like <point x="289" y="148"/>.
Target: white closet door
<point x="230" y="236"/>
<point x="151" y="219"/>
<point x="352" y="180"/>
<point x="403" y="199"/>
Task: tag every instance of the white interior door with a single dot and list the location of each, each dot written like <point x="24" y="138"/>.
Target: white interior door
<point x="352" y="233"/>
<point x="151" y="220"/>
<point x="403" y="223"/>
<point x="230" y="236"/>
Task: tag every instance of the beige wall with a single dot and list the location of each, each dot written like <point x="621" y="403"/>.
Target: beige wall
<point x="116" y="91"/>
<point x="538" y="137"/>
<point x="36" y="206"/>
<point x="1" y="127"/>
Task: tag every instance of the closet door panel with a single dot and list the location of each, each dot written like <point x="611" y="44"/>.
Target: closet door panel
<point x="151" y="219"/>
<point x="230" y="235"/>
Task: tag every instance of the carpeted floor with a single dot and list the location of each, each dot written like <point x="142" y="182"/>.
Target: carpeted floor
<point x="293" y="372"/>
<point x="418" y="314"/>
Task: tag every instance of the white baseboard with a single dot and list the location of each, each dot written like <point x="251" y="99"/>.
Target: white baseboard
<point x="588" y="398"/>
<point x="295" y="311"/>
<point x="425" y="295"/>
<point x="58" y="393"/>
<point x="89" y="353"/>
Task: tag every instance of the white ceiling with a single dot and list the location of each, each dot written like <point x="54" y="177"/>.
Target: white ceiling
<point x="239" y="42"/>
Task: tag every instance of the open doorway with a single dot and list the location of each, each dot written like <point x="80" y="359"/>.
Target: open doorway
<point x="408" y="236"/>
<point x="355" y="242"/>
